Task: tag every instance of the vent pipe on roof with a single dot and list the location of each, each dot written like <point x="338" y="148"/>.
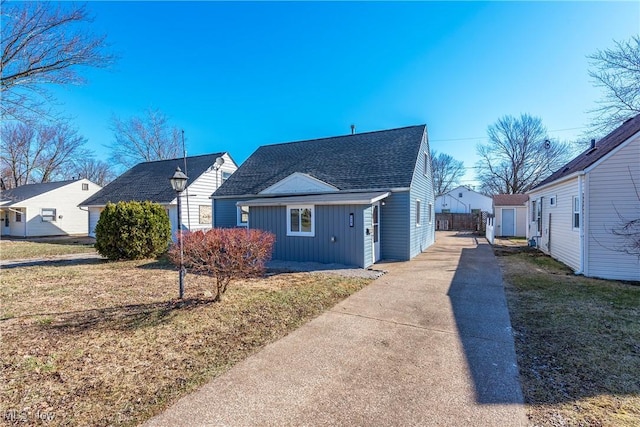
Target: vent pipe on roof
<point x="353" y="129"/>
<point x="593" y="144"/>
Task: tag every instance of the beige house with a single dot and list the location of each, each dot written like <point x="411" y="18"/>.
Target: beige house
<point x="46" y="209"/>
<point x="510" y="212"/>
<point x="578" y="214"/>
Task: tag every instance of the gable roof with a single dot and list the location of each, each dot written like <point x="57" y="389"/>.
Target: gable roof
<point x="510" y="199"/>
<point x="150" y="181"/>
<point x="373" y="160"/>
<point x="602" y="148"/>
<point x="27" y="191"/>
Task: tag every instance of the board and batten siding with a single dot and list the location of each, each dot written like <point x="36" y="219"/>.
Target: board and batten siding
<point x="225" y="213"/>
<point x="330" y="221"/>
<point x="560" y="240"/>
<point x="611" y="196"/>
<point x="394" y="226"/>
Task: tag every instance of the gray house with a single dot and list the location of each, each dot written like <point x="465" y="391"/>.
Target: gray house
<point x="351" y="199"/>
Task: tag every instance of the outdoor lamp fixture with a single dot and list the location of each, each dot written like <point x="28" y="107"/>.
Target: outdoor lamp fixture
<point x="179" y="183"/>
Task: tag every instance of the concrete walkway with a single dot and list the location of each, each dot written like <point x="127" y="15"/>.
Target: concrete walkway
<point x="428" y="344"/>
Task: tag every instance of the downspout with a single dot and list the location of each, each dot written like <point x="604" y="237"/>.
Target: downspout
<point x="583" y="210"/>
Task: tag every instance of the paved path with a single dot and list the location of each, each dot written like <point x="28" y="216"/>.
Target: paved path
<point x="428" y="344"/>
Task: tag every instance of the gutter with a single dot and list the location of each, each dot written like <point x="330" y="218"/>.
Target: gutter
<point x="260" y="196"/>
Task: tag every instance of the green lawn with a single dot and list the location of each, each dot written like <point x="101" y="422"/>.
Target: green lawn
<point x="578" y="343"/>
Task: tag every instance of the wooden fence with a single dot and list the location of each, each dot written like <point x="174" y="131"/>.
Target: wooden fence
<point x="461" y="221"/>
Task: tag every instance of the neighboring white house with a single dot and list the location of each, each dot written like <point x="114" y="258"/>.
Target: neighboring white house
<point x="510" y="212"/>
<point x="577" y="215"/>
<point x="149" y="181"/>
<point x="463" y="200"/>
<point x="46" y="209"/>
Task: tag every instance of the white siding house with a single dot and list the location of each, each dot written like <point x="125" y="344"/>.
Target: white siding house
<point x="510" y="212"/>
<point x="577" y="214"/>
<point x="149" y="181"/>
<point x="46" y="209"/>
<point x="463" y="200"/>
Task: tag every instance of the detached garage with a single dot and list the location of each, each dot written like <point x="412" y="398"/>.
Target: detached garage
<point x="510" y="215"/>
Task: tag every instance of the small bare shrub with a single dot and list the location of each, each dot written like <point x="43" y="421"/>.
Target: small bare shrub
<point x="225" y="254"/>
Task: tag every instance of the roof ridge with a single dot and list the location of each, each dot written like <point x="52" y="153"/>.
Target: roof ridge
<point x="342" y="136"/>
<point x="181" y="158"/>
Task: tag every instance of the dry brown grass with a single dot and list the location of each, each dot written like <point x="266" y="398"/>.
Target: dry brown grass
<point x="42" y="248"/>
<point x="577" y="340"/>
<point x="108" y="344"/>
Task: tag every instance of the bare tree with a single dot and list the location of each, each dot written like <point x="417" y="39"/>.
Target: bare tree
<point x="518" y="156"/>
<point x="94" y="170"/>
<point x="39" y="153"/>
<point x="43" y="43"/>
<point x="447" y="172"/>
<point x="617" y="72"/>
<point x="144" y="139"/>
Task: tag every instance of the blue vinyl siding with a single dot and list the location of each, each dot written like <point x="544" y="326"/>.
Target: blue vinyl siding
<point x="423" y="236"/>
<point x="347" y="249"/>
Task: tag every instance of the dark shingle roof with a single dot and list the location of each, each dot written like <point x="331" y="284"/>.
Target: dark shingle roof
<point x="150" y="181"/>
<point x="602" y="148"/>
<point x="28" y="191"/>
<point x="510" y="199"/>
<point x="373" y="160"/>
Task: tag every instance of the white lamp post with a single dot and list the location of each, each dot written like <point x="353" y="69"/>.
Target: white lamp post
<point x="179" y="183"/>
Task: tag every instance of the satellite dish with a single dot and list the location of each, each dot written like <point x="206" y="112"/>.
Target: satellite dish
<point x="547" y="144"/>
<point x="219" y="161"/>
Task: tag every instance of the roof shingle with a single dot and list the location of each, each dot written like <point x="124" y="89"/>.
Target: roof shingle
<point x="373" y="160"/>
<point x="602" y="148"/>
<point x="510" y="199"/>
<point x="150" y="181"/>
<point x="28" y="191"/>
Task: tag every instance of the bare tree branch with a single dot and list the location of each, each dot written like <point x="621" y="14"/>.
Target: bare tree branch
<point x="518" y="156"/>
<point x="144" y="139"/>
<point x="617" y="72"/>
<point x="43" y="43"/>
<point x="447" y="172"/>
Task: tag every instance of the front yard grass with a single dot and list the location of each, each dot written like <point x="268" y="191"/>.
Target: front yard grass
<point x="42" y="248"/>
<point x="105" y="343"/>
<point x="577" y="341"/>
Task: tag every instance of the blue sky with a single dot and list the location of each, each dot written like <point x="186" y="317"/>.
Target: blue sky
<point x="237" y="75"/>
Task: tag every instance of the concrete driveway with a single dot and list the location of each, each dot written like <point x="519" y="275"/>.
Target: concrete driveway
<point x="428" y="344"/>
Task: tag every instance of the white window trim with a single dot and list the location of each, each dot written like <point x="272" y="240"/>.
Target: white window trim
<point x="425" y="170"/>
<point x="43" y="216"/>
<point x="418" y="212"/>
<point x="239" y="222"/>
<point x="311" y="233"/>
<point x="575" y="199"/>
<point x="430" y="213"/>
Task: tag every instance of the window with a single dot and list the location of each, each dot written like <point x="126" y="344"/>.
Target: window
<point x="18" y="216"/>
<point x="243" y="216"/>
<point x="225" y="176"/>
<point x="85" y="186"/>
<point x="429" y="214"/>
<point x="205" y="214"/>
<point x="576" y="212"/>
<point x="48" y="215"/>
<point x="460" y="195"/>
<point x="552" y="201"/>
<point x="418" y="213"/>
<point x="300" y="221"/>
<point x="426" y="164"/>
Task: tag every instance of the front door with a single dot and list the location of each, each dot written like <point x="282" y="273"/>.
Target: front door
<point x="375" y="227"/>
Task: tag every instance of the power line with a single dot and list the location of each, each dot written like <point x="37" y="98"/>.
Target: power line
<point x="485" y="137"/>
